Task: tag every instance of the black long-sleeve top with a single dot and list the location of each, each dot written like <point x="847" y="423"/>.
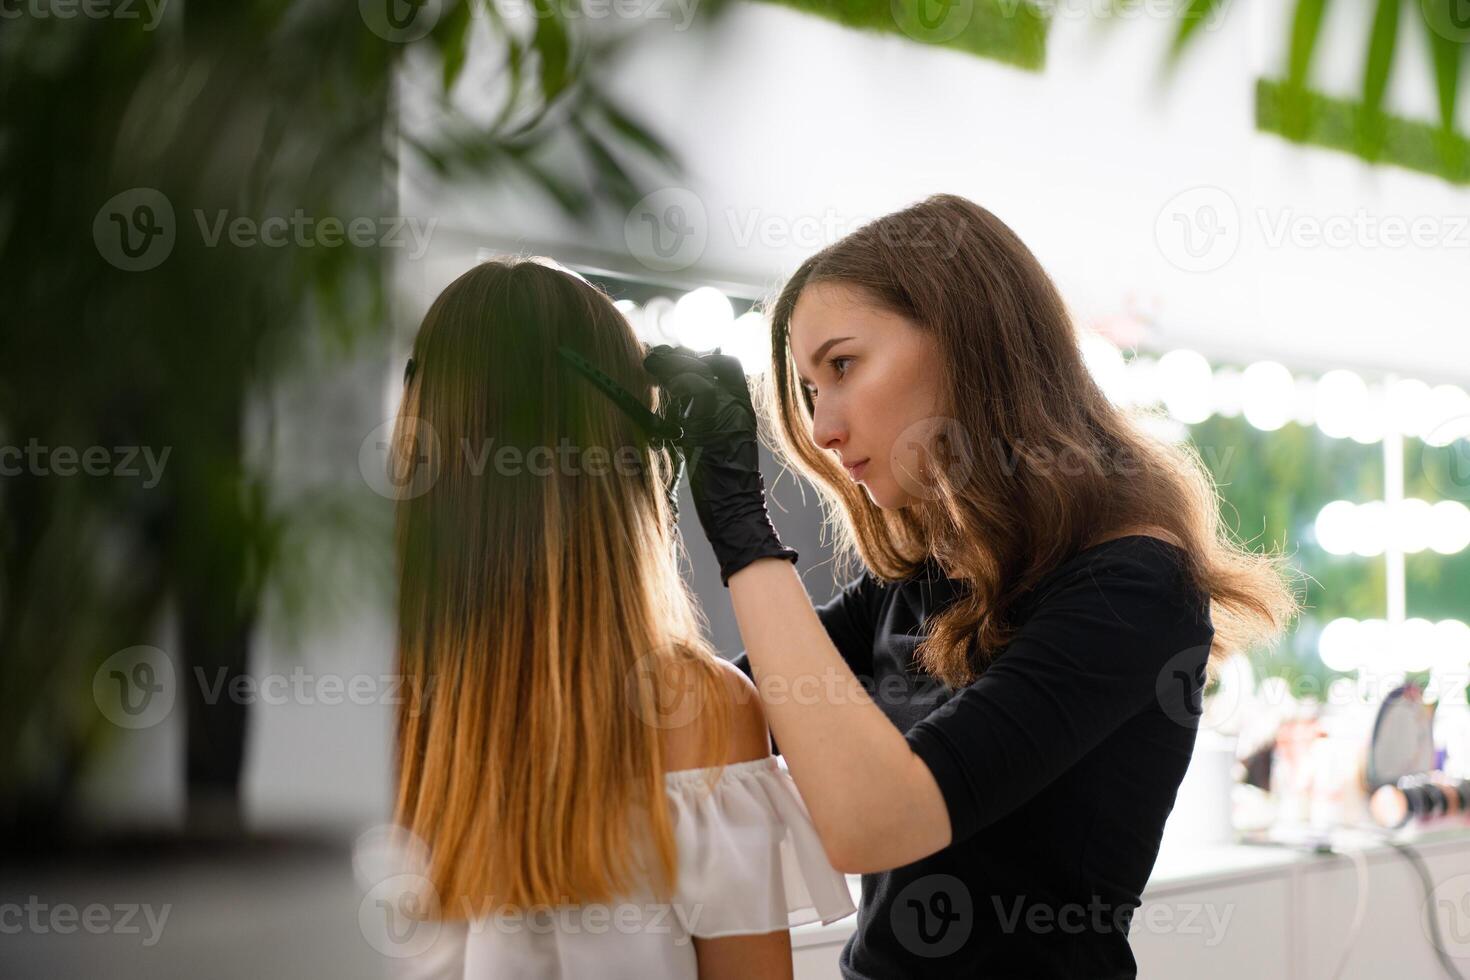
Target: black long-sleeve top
<point x="1058" y="765"/>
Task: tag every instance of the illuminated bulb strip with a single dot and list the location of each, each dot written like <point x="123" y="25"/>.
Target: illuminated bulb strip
<point x="1415" y="645"/>
<point x="1340" y="402"/>
<point x="1346" y="528"/>
<point x="702" y="320"/>
<point x="1266" y="393"/>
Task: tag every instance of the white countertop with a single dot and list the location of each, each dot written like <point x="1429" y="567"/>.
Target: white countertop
<point x="1180" y="867"/>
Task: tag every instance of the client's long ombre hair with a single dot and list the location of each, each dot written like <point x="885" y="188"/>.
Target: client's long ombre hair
<point x="541" y="610"/>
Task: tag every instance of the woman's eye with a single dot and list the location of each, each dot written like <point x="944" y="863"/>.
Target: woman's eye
<point x="838" y="365"/>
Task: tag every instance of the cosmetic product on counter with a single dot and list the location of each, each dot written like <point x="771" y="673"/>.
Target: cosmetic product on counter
<point x="1421" y="796"/>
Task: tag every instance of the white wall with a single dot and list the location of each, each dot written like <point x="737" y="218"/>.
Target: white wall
<point x="797" y="125"/>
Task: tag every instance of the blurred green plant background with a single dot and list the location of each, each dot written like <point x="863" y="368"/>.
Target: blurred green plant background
<point x="250" y="108"/>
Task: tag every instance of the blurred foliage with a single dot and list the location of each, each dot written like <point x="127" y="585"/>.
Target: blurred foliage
<point x="1010" y="31"/>
<point x="1272" y="486"/>
<point x="119" y="134"/>
<point x="1321" y="120"/>
<point x="1015" y="32"/>
<point x="1289" y="107"/>
<point x="1436" y="586"/>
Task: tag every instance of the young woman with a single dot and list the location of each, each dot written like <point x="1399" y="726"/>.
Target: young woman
<point x="562" y="815"/>
<point x="991" y="722"/>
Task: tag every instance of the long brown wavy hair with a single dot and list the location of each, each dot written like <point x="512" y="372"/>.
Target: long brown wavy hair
<point x="542" y="619"/>
<point x="1017" y="391"/>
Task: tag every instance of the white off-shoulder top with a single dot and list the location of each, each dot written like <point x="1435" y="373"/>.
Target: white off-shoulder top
<point x="750" y="862"/>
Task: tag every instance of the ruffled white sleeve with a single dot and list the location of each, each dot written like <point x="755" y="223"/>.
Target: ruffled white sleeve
<point x="750" y="860"/>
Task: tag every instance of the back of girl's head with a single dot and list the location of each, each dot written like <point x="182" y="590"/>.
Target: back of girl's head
<point x="540" y="602"/>
<point x="509" y="444"/>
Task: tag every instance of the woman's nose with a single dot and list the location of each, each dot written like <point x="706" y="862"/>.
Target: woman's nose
<point x="829" y="431"/>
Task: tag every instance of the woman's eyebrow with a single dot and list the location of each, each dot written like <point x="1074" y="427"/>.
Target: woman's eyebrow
<point x="817" y="354"/>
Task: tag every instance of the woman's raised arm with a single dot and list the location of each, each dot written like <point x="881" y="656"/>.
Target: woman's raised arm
<point x="873" y="801"/>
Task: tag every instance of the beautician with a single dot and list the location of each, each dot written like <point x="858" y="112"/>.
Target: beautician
<point x="991" y="722"/>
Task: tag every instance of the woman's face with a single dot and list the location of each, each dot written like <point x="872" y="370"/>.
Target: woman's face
<point x="875" y="380"/>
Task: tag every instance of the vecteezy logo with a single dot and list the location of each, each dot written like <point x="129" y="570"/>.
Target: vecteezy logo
<point x="399" y="913"/>
<point x="399" y="916"/>
<point x="1449" y="19"/>
<point x="675" y="689"/>
<point x="1444" y="457"/>
<point x="404" y="474"/>
<point x="1198" y="230"/>
<point x="667" y="230"/>
<point x="400" y="20"/>
<point x="1180" y="685"/>
<point x="927" y="450"/>
<point x="933" y="915"/>
<point x="135" y="229"/>
<point x="1448" y="905"/>
<point x="134" y="688"/>
<point x="932" y="21"/>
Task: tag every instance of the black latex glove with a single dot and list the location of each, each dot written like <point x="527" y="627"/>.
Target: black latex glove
<point x="712" y="403"/>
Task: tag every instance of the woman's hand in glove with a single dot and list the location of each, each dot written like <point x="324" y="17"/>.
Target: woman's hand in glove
<point x="712" y="403"/>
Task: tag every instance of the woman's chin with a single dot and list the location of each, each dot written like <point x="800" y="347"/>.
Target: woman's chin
<point x="885" y="497"/>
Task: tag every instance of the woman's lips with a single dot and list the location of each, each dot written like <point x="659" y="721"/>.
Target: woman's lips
<point x="856" y="470"/>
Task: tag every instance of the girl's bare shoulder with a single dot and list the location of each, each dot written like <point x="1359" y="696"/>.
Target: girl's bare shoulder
<point x="749" y="739"/>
